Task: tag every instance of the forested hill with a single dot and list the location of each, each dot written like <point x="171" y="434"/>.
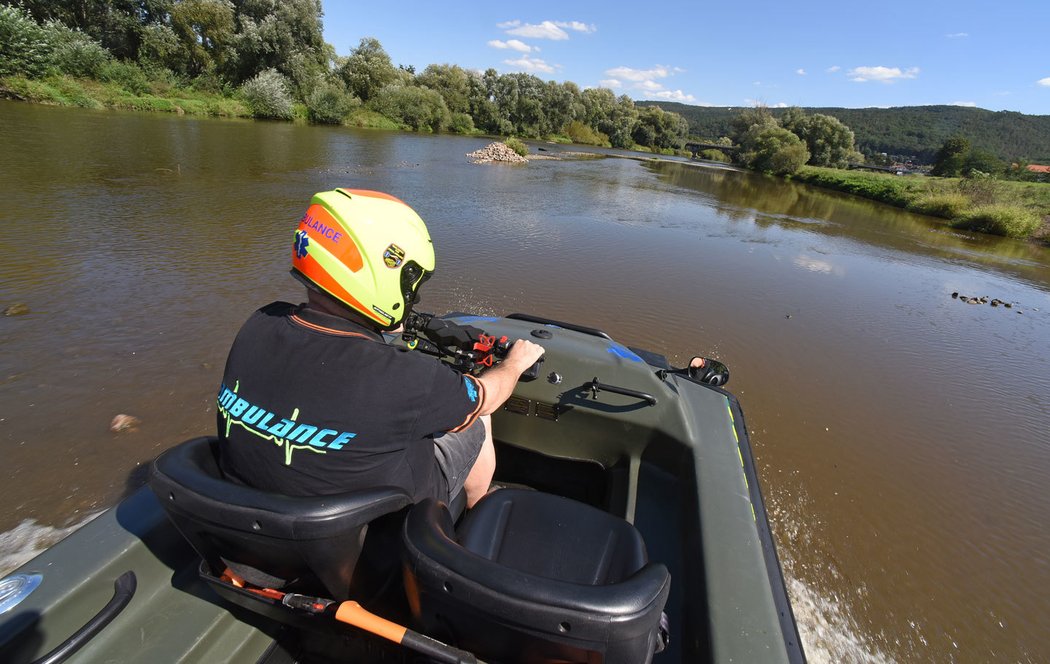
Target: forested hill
<point x="908" y="130"/>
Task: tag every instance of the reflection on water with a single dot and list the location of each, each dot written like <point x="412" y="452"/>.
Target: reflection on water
<point x="901" y="434"/>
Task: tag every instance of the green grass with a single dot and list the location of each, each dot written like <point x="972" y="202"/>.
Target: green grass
<point x="1000" y="207"/>
<point x="86" y="93"/>
<point x="948" y="205"/>
<point x="363" y="117"/>
<point x="1007" y="220"/>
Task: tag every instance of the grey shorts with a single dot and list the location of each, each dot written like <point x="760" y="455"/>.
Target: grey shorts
<point x="456" y="453"/>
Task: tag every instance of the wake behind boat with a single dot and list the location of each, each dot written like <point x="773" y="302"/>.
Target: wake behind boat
<point x="633" y="529"/>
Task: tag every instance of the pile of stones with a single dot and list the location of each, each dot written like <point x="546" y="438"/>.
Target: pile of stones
<point x="494" y="152"/>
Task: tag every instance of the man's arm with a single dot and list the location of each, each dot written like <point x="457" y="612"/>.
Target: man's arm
<point x="499" y="381"/>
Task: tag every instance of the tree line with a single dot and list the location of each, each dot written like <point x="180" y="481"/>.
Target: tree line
<point x="913" y="132"/>
<point x="272" y="55"/>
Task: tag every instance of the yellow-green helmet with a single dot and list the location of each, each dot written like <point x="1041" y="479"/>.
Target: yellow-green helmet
<point x="366" y="249"/>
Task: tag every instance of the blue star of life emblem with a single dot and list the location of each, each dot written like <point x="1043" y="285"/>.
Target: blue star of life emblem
<point x="301" y="243"/>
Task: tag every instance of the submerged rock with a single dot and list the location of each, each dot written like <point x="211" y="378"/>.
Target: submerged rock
<point x="16" y="309"/>
<point x="124" y="422"/>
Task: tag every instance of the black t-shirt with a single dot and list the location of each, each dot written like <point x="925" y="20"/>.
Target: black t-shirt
<point x="314" y="404"/>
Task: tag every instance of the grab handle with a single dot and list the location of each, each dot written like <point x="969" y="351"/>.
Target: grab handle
<point x="597" y="386"/>
<point x="123" y="591"/>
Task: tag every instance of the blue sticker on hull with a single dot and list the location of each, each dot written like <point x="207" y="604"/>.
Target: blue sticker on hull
<point x="467" y="320"/>
<point x="624" y="352"/>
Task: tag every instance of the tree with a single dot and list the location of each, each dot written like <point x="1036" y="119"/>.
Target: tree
<point x="748" y="118"/>
<point x="204" y="29"/>
<point x="368" y="69"/>
<point x="659" y="129"/>
<point x="620" y="122"/>
<point x="117" y="24"/>
<point x="772" y="149"/>
<point x="278" y="34"/>
<point x="830" y="143"/>
<point x="982" y="161"/>
<point x="422" y="109"/>
<point x="452" y="82"/>
<point x="483" y="109"/>
<point x="949" y="160"/>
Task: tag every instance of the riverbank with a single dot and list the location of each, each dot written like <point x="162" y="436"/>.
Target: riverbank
<point x="154" y="97"/>
<point x="999" y="207"/>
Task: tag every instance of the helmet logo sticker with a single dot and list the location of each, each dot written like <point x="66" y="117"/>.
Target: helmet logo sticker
<point x="301" y="243"/>
<point x="321" y="228"/>
<point x="393" y="256"/>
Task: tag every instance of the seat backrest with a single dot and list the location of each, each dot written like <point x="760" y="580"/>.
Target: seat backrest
<point x="307" y="544"/>
<point x="533" y="577"/>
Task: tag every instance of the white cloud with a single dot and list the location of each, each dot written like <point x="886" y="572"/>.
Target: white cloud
<point x="832" y="69"/>
<point x="610" y="83"/>
<point x="646" y="82"/>
<point x="958" y="35"/>
<point x="546" y="30"/>
<point x="512" y="44"/>
<point x="531" y="64"/>
<point x="760" y="102"/>
<point x="970" y="104"/>
<point x="800" y="72"/>
<point x="638" y="75"/>
<point x="674" y="95"/>
<point x="881" y="74"/>
<point x="577" y="26"/>
<point x="1045" y="82"/>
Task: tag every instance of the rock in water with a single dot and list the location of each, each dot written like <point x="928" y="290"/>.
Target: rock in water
<point x="124" y="422"/>
<point x="496" y="152"/>
<point x="16" y="309"/>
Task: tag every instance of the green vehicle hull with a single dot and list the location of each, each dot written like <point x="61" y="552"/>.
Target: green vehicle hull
<point x="601" y="423"/>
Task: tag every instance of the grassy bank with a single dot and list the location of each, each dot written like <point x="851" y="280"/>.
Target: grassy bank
<point x="87" y="93"/>
<point x="151" y="96"/>
<point x="1000" y="207"/>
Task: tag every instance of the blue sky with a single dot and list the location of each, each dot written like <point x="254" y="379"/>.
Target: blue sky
<point x="990" y="54"/>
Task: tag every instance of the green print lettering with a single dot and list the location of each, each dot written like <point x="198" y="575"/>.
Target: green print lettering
<point x="254" y="419"/>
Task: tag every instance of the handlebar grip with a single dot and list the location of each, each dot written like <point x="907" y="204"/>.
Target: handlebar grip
<point x="532" y="372"/>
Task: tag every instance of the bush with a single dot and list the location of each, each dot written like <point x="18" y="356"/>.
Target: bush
<point x="581" y="133"/>
<point x="1006" y="220"/>
<point x="517" y="145"/>
<point x="948" y="205"/>
<point x="81" y="57"/>
<point x="714" y="155"/>
<point x="128" y="76"/>
<point x="329" y="103"/>
<point x="982" y="188"/>
<point x="267" y="96"/>
<point x="461" y="123"/>
<point x="25" y="46"/>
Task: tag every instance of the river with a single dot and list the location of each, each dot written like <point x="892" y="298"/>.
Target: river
<point x="901" y="434"/>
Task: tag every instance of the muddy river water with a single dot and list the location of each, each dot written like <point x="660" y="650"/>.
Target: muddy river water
<point x="903" y="436"/>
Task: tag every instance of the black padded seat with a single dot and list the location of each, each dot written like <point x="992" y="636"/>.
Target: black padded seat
<point x="310" y="545"/>
<point x="533" y="577"/>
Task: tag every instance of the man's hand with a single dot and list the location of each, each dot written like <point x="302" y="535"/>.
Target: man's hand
<point x="499" y="381"/>
<point x="523" y="354"/>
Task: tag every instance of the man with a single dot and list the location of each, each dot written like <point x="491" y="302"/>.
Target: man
<point x="314" y="401"/>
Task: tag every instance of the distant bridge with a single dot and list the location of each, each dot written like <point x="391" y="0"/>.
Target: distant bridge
<point x="696" y="148"/>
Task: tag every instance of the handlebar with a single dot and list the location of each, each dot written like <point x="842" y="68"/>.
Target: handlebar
<point x="467" y="348"/>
